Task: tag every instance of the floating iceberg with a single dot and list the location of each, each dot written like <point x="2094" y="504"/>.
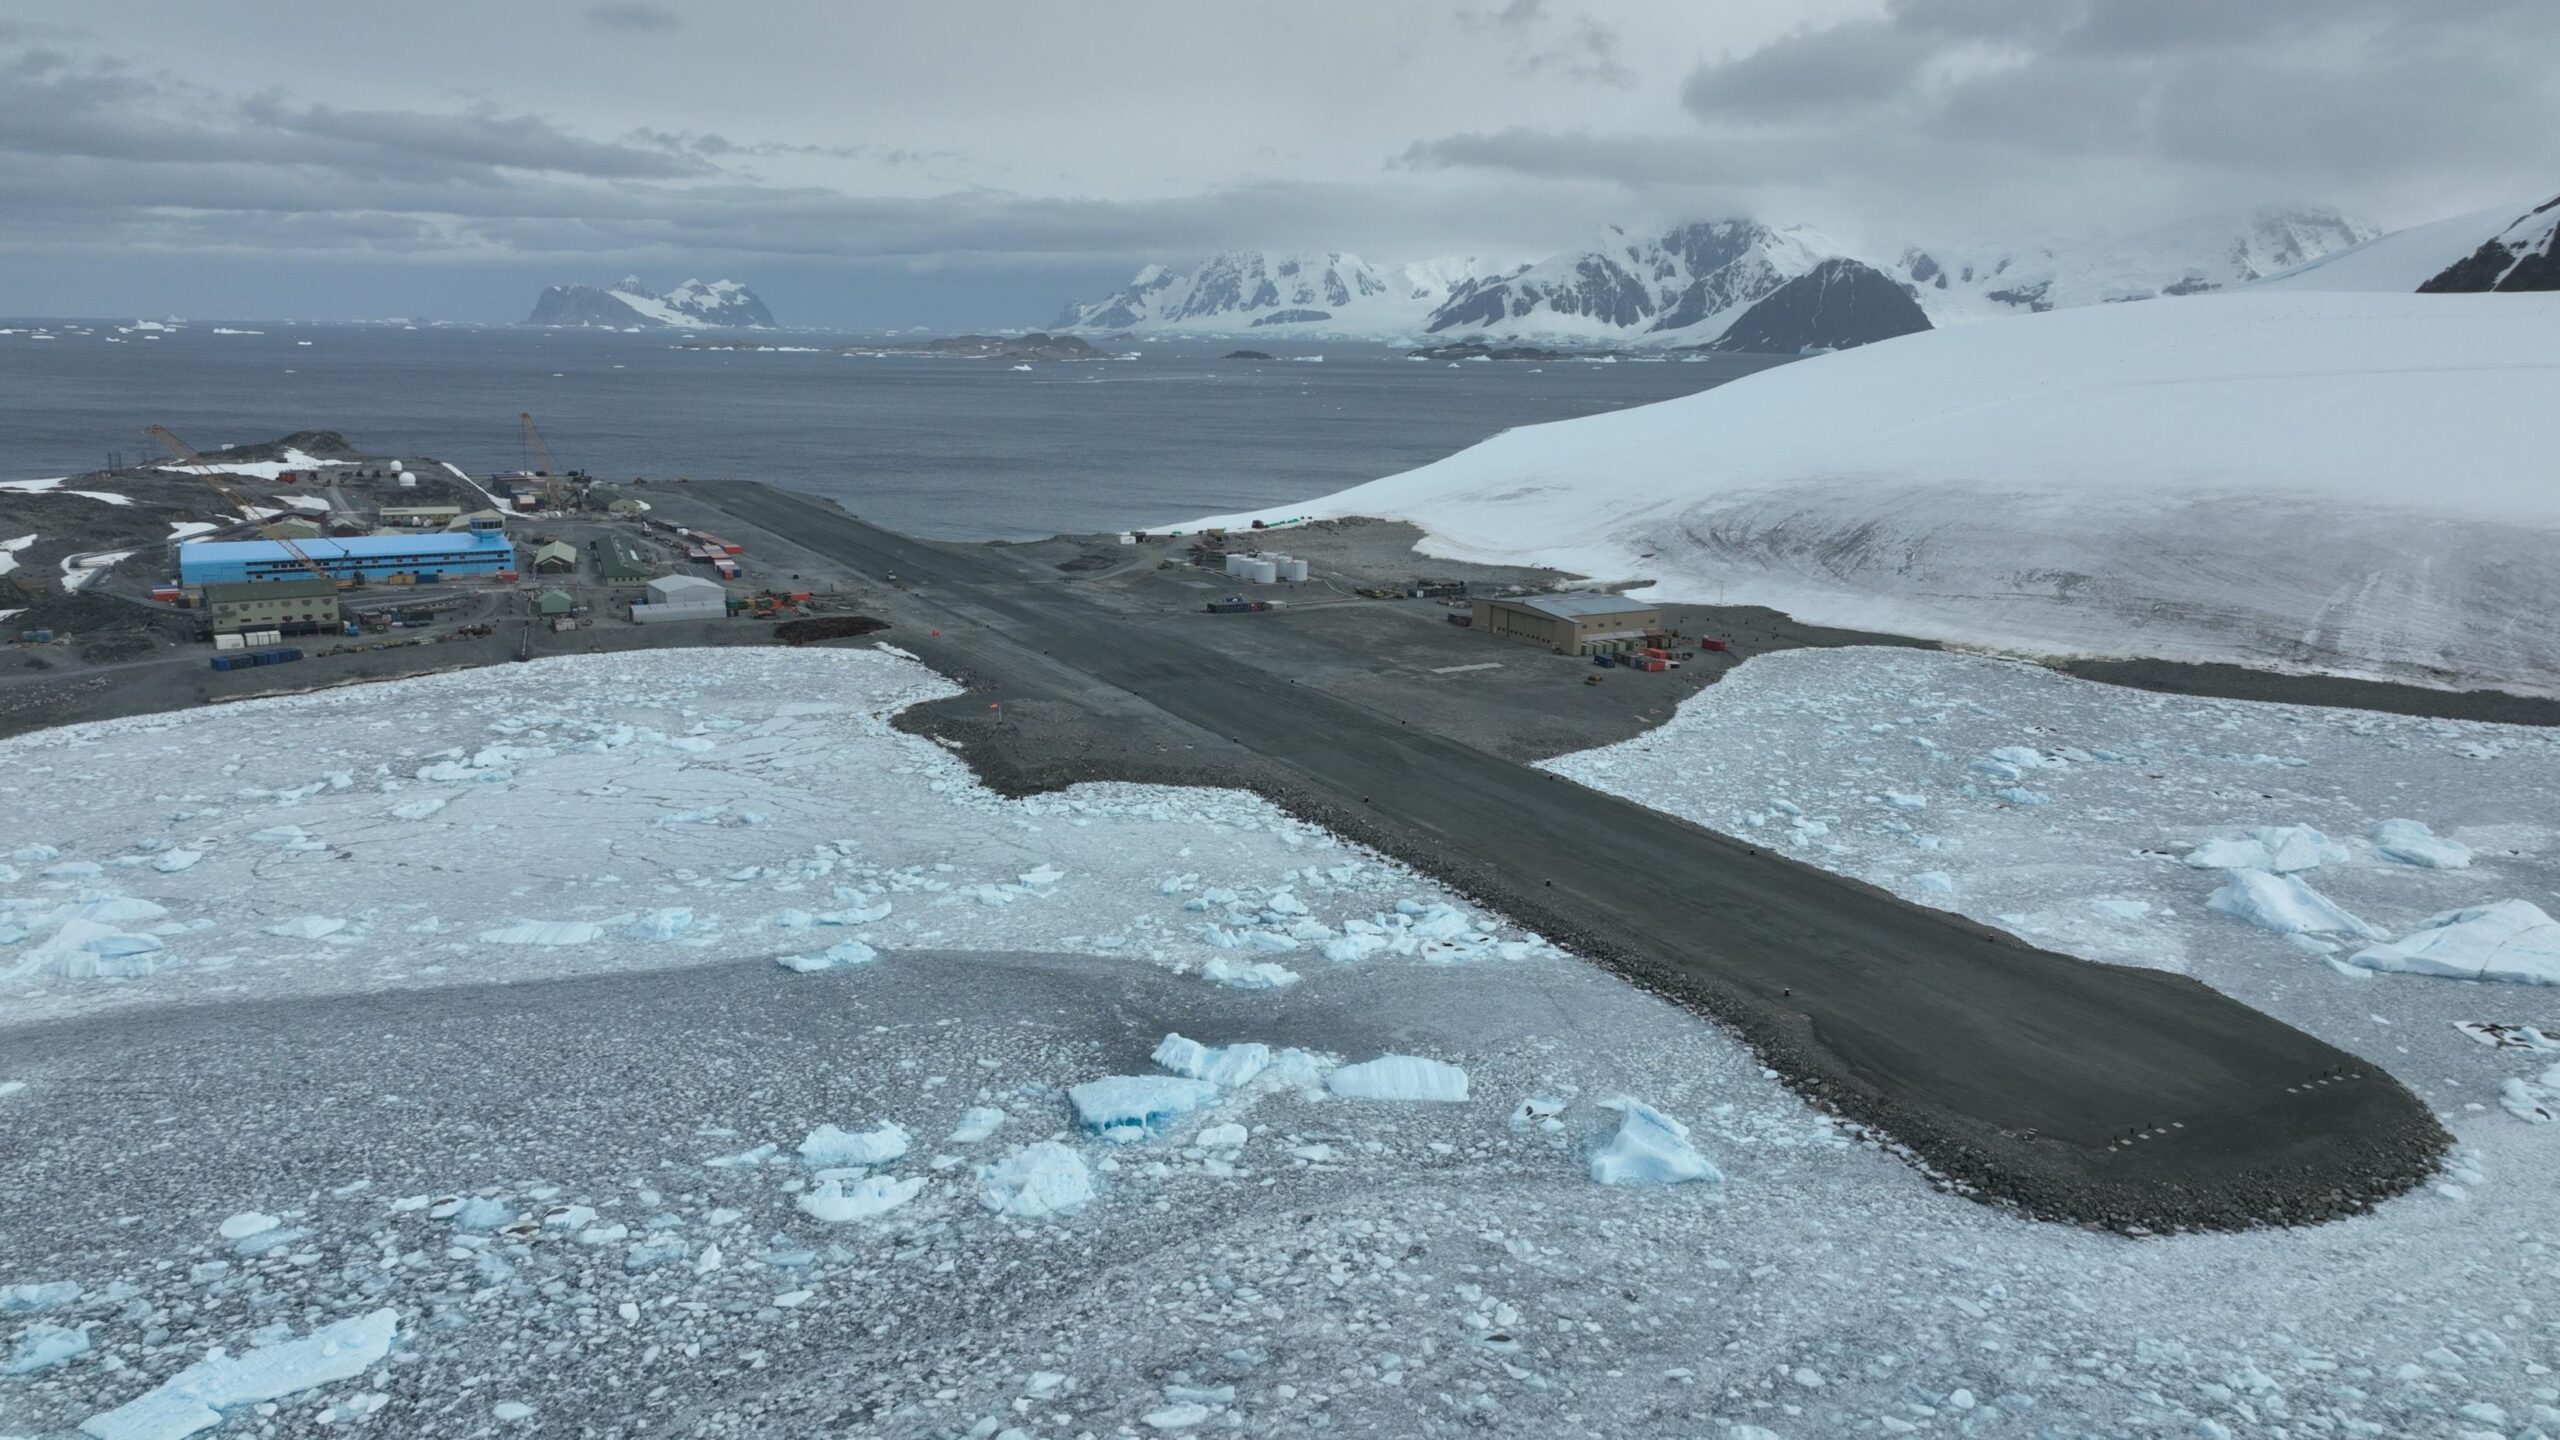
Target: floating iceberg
<point x="1225" y="1066"/>
<point x="1399" y="1077"/>
<point x="872" y="1196"/>
<point x="1650" y="1148"/>
<point x="2282" y="904"/>
<point x="1127" y="1107"/>
<point x="194" y="1398"/>
<point x="43" y="1347"/>
<point x="38" y="1296"/>
<point x="2511" y="940"/>
<point x="664" y="924"/>
<point x="828" y="1147"/>
<point x="836" y="956"/>
<point x="2282" y="849"/>
<point x="980" y="1122"/>
<point x="2412" y="843"/>
<point x="1247" y="974"/>
<point x="1036" y="1182"/>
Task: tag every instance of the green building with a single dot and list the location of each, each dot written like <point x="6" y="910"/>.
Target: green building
<point x="622" y="560"/>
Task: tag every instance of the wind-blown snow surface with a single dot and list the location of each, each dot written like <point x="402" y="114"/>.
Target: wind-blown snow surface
<point x="1277" y="1260"/>
<point x="2355" y="483"/>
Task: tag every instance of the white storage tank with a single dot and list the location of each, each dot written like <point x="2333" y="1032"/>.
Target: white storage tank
<point x="1235" y="564"/>
<point x="1261" y="572"/>
<point x="1293" y="570"/>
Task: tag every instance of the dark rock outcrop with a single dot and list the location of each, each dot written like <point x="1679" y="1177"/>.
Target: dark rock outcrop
<point x="1835" y="305"/>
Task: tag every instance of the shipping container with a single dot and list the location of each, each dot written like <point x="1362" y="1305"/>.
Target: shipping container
<point x="1711" y="643"/>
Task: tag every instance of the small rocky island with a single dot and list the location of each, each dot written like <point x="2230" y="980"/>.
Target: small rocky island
<point x="1244" y="355"/>
<point x="1479" y="350"/>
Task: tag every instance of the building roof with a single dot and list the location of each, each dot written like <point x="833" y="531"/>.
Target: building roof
<point x="680" y="589"/>
<point x="446" y="510"/>
<point x="556" y="550"/>
<point x="1580" y="607"/>
<point x="622" y="556"/>
<point x="358" y="547"/>
<point x="302" y="589"/>
<point x="555" y="602"/>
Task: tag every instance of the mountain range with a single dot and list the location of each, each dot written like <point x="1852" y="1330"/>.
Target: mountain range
<point x="1693" y="283"/>
<point x="627" y="305"/>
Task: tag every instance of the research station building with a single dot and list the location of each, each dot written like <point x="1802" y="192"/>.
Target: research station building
<point x="428" y="558"/>
<point x="292" y="606"/>
<point x="1568" y="624"/>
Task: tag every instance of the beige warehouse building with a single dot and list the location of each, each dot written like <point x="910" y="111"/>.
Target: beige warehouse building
<point x="289" y="605"/>
<point x="1568" y="624"/>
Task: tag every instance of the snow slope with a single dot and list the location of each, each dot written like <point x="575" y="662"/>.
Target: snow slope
<point x="1277" y="292"/>
<point x="2400" y="261"/>
<point x="2352" y="483"/>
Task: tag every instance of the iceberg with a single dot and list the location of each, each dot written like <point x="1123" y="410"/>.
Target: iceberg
<point x="1650" y="1148"/>
<point x="1036" y="1182"/>
<point x="1225" y="1066"/>
<point x="838" y="1201"/>
<point x="1127" y="1107"/>
<point x="194" y="1398"/>
<point x="2282" y="904"/>
<point x="1247" y="974"/>
<point x="2282" y="849"/>
<point x="828" y="1147"/>
<point x="838" y="955"/>
<point x="2512" y="940"/>
<point x="1399" y="1077"/>
<point x="2412" y="843"/>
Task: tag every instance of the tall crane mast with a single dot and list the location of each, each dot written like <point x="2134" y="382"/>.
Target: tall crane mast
<point x="205" y="469"/>
<point x="541" y="453"/>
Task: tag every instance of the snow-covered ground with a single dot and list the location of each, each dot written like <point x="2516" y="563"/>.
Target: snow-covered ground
<point x="1398" y="1194"/>
<point x="294" y="461"/>
<point x="2339" y="481"/>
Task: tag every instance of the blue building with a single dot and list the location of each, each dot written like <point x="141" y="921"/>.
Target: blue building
<point x="434" y="556"/>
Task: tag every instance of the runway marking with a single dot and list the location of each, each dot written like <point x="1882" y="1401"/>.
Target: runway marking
<point x="1462" y="669"/>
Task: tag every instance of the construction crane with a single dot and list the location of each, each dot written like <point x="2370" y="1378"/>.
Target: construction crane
<point x="541" y="455"/>
<point x="211" y="475"/>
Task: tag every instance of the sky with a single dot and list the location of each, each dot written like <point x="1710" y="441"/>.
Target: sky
<point x="979" y="162"/>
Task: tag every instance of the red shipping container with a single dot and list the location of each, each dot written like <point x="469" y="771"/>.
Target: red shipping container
<point x="1710" y="643"/>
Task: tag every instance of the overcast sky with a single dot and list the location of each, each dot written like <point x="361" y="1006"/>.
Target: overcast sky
<point x="954" y="163"/>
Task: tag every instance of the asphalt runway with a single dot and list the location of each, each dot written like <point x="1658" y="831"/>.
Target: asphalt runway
<point x="2076" y="1091"/>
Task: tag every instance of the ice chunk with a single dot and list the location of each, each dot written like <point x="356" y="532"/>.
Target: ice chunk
<point x="1125" y="1107"/>
<point x="114" y="910"/>
<point x="1247" y="974"/>
<point x="42" y="1347"/>
<point x="194" y="1398"/>
<point x="1036" y="1182"/>
<point x="869" y="1198"/>
<point x="1044" y="876"/>
<point x="1221" y="1137"/>
<point x="664" y="924"/>
<point x="307" y="927"/>
<point x="544" y="932"/>
<point x="745" y="1159"/>
<point x="1225" y="1066"/>
<point x="980" y="1122"/>
<point x="1177" y="1417"/>
<point x="176" y="860"/>
<point x="2412" y="843"/>
<point x="2512" y="940"/>
<point x="248" y="1223"/>
<point x="2282" y="904"/>
<point x="828" y="1147"/>
<point x="1399" y="1077"/>
<point x="43" y="1295"/>
<point x="837" y="956"/>
<point x="2283" y="849"/>
<point x="1650" y="1148"/>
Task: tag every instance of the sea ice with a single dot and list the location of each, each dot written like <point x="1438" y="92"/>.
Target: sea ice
<point x="1247" y="974"/>
<point x="2282" y="849"/>
<point x="2512" y="940"/>
<point x="1125" y="1107"/>
<point x="2412" y="843"/>
<point x="194" y="1398"/>
<point x="176" y="860"/>
<point x="1225" y="1066"/>
<point x="43" y="1347"/>
<point x="664" y="924"/>
<point x="1650" y="1148"/>
<point x="42" y="1295"/>
<point x="868" y="1198"/>
<point x="248" y="1223"/>
<point x="977" y="1124"/>
<point x="307" y="927"/>
<point x="1036" y="1182"/>
<point x="2282" y="904"/>
<point x="837" y="956"/>
<point x="1399" y="1077"/>
<point x="544" y="932"/>
<point x="828" y="1147"/>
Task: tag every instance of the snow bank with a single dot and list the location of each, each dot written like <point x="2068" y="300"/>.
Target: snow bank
<point x="1650" y="1148"/>
<point x="2511" y="940"/>
<point x="194" y="1398"/>
<point x="2224" y="478"/>
<point x="1036" y="1182"/>
<point x="1399" y="1077"/>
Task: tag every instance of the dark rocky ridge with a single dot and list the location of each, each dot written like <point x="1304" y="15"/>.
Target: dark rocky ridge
<point x="2519" y="259"/>
<point x="1834" y="306"/>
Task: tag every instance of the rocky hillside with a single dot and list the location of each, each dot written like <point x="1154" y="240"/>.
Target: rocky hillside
<point x="626" y="305"/>
<point x="1317" y="292"/>
<point x="1837" y="305"/>
<point x="2523" y="256"/>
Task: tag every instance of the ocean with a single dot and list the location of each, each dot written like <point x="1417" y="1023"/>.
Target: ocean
<point x="956" y="449"/>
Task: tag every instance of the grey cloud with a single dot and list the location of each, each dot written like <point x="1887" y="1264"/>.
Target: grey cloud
<point x="1812" y="72"/>
<point x="633" y="17"/>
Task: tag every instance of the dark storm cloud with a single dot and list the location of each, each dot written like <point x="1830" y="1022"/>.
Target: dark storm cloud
<point x="635" y="18"/>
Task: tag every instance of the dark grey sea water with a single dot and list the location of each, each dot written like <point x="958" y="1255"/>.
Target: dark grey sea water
<point x="954" y="448"/>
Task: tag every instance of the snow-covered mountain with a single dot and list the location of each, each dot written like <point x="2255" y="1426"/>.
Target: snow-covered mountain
<point x="626" y="304"/>
<point x="1837" y="304"/>
<point x="1956" y="283"/>
<point x="1315" y="292"/>
<point x="1685" y="284"/>
<point x="2523" y="256"/>
<point x="2261" y="477"/>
